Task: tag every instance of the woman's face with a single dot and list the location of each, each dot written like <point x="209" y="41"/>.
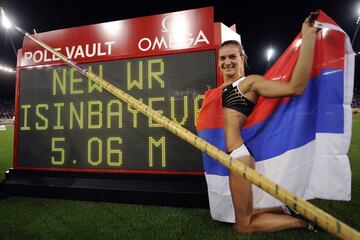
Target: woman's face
<point x="231" y="62"/>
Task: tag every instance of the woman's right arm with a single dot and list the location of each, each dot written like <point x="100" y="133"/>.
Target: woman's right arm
<point x="301" y="73"/>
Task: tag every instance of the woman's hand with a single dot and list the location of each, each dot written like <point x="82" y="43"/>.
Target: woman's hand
<point x="308" y="30"/>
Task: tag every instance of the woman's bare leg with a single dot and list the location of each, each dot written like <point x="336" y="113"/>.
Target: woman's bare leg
<point x="246" y="219"/>
<point x="277" y="210"/>
<point x="270" y="222"/>
<point x="241" y="193"/>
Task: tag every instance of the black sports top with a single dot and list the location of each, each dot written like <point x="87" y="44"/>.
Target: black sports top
<point x="234" y="99"/>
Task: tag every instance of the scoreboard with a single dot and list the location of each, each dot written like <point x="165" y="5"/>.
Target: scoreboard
<point x="67" y="122"/>
<point x="73" y="139"/>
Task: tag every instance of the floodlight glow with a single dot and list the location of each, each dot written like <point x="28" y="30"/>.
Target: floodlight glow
<point x="6" y="69"/>
<point x="269" y="54"/>
<point x="358" y="18"/>
<point x="5" y="20"/>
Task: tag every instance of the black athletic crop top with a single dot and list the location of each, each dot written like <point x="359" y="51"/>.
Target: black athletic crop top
<point x="234" y="99"/>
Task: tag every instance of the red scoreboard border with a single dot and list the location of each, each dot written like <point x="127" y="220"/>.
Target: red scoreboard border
<point x="124" y="39"/>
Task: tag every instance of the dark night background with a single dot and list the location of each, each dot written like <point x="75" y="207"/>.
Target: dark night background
<point x="259" y="23"/>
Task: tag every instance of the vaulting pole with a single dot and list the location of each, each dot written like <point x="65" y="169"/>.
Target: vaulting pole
<point x="308" y="210"/>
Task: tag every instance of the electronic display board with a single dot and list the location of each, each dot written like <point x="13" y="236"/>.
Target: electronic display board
<point x="67" y="122"/>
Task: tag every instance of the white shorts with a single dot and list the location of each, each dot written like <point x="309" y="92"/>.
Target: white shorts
<point x="241" y="151"/>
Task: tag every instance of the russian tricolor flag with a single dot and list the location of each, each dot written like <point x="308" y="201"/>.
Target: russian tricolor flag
<point x="301" y="143"/>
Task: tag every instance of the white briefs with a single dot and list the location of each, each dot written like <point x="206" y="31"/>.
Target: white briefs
<point x="241" y="151"/>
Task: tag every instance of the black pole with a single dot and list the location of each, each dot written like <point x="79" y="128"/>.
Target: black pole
<point x="357" y="28"/>
<point x="12" y="44"/>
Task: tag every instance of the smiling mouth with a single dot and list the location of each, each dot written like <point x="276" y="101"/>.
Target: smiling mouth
<point x="232" y="66"/>
<point x="228" y="68"/>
